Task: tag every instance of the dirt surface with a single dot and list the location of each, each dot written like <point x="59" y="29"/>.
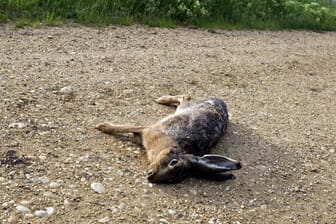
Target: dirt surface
<point x="57" y="83"/>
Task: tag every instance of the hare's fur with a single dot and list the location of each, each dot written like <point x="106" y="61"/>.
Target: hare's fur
<point x="175" y="143"/>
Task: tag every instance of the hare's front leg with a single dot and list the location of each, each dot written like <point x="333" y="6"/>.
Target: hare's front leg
<point x="179" y="99"/>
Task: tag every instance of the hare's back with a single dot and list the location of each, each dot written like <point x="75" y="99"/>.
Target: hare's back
<point x="198" y="126"/>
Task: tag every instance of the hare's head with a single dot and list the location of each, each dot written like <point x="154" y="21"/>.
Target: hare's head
<point x="173" y="167"/>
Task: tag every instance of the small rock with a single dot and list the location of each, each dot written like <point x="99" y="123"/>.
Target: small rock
<point x="42" y="157"/>
<point x="2" y="179"/>
<point x="41" y="213"/>
<point x="262" y="168"/>
<point x="171" y="212"/>
<point x="162" y="220"/>
<point x="120" y="173"/>
<point x="12" y="219"/>
<point x="263" y="206"/>
<point x="47" y="194"/>
<point x="66" y="203"/>
<point x="18" y="125"/>
<point x="44" y="179"/>
<point x="28" y="215"/>
<point x="122" y="206"/>
<point x="66" y="90"/>
<point x="104" y="220"/>
<point x="113" y="209"/>
<point x="50" y="210"/>
<point x="5" y="205"/>
<point x="54" y="185"/>
<point x="84" y="158"/>
<point x="22" y="209"/>
<point x="332" y="150"/>
<point x="98" y="187"/>
<point x="24" y="202"/>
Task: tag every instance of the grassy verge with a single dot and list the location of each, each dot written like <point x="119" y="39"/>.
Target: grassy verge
<point x="228" y="14"/>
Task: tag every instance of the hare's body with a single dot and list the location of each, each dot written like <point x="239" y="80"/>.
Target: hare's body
<point x="175" y="143"/>
<point x="196" y="127"/>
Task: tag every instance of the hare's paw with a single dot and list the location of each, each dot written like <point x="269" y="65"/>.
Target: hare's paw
<point x="172" y="99"/>
<point x="104" y="127"/>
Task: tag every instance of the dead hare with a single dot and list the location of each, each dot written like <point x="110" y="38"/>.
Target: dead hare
<point x="178" y="145"/>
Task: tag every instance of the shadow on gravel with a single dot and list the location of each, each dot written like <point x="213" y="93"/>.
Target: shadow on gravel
<point x="267" y="169"/>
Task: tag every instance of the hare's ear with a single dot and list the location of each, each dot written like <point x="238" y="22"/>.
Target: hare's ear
<point x="213" y="163"/>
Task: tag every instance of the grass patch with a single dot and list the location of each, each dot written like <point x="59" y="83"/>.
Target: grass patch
<point x="227" y="14"/>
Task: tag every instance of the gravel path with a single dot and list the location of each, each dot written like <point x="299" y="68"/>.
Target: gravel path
<point x="57" y="83"/>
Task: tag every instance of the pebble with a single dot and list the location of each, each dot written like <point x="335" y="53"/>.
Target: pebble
<point x="122" y="206"/>
<point x="120" y="173"/>
<point x="262" y="168"/>
<point x="25" y="202"/>
<point x="28" y="215"/>
<point x="22" y="209"/>
<point x="66" y="202"/>
<point x="171" y="212"/>
<point x="41" y="213"/>
<point x="5" y="205"/>
<point x="50" y="210"/>
<point x="47" y="194"/>
<point x="104" y="220"/>
<point x="162" y="220"/>
<point x="12" y="219"/>
<point x="66" y="90"/>
<point x="98" y="187"/>
<point x="54" y="185"/>
<point x="18" y="125"/>
<point x="2" y="179"/>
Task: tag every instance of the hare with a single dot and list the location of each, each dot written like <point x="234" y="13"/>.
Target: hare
<point x="178" y="144"/>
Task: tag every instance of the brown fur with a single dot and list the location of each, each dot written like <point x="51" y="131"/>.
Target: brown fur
<point x="161" y="147"/>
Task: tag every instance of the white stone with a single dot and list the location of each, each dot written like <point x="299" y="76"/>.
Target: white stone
<point x="54" y="185"/>
<point x="12" y="219"/>
<point x="262" y="168"/>
<point x="41" y="213"/>
<point x="25" y="202"/>
<point x="171" y="212"/>
<point x="104" y="220"/>
<point x="98" y="187"/>
<point x="122" y="206"/>
<point x="22" y="209"/>
<point x="162" y="220"/>
<point x="44" y="179"/>
<point x="47" y="194"/>
<point x="17" y="125"/>
<point x="120" y="173"/>
<point x="50" y="210"/>
<point x="66" y="90"/>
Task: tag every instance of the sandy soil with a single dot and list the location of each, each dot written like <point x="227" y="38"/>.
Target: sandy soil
<point x="280" y="88"/>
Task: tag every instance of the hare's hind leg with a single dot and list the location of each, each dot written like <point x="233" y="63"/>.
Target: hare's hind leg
<point x="175" y="100"/>
<point x="114" y="129"/>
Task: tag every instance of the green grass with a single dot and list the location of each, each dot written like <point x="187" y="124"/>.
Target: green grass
<point x="227" y="14"/>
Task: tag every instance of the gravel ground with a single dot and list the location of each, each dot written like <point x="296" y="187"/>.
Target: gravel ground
<point x="57" y="83"/>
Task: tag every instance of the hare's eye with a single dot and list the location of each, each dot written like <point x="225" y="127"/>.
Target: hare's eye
<point x="173" y="162"/>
